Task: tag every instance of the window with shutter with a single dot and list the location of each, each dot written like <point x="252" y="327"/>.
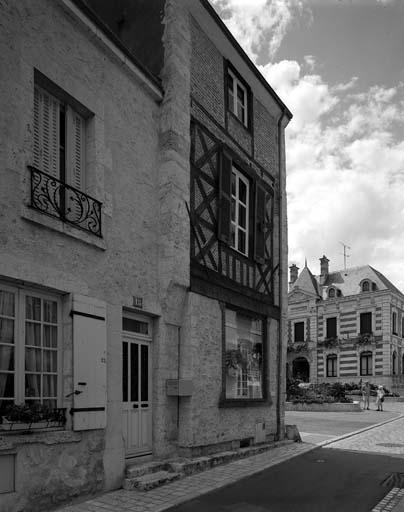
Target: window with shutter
<point x="59" y="139"/>
<point x="225" y="178"/>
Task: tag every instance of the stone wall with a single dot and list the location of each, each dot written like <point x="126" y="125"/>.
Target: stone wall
<point x="122" y="172"/>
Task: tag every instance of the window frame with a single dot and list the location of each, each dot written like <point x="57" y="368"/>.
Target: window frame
<point x="238" y="81"/>
<point x="20" y="320"/>
<point x="334" y="370"/>
<point x="326" y="320"/>
<point x="366" y="354"/>
<point x="296" y="322"/>
<point x="71" y="107"/>
<point x="240" y="177"/>
<point x="394" y="326"/>
<point x="372" y="319"/>
<point x="247" y="401"/>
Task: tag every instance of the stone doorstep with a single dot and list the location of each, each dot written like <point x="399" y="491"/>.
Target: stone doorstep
<point x="150" y="481"/>
<point x="153" y="474"/>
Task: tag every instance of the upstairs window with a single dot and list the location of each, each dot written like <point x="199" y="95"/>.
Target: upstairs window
<point x="331" y="327"/>
<point x="299" y="332"/>
<point x="239" y="211"/>
<point x="237" y="97"/>
<point x="59" y="139"/>
<point x="331" y="293"/>
<point x="365" y="323"/>
<point x="365" y="286"/>
<point x="394" y="322"/>
<point x="245" y="211"/>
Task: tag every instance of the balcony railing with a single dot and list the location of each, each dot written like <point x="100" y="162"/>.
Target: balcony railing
<point x="57" y="199"/>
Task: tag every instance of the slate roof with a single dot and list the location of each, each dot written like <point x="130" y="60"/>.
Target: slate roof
<point x="348" y="281"/>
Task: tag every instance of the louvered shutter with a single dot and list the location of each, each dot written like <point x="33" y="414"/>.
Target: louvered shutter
<point x="75" y="149"/>
<point x="260" y="226"/>
<point x="46" y="132"/>
<point x="224" y="233"/>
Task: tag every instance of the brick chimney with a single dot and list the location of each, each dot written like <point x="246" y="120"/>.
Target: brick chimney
<point x="294" y="271"/>
<point x="323" y="269"/>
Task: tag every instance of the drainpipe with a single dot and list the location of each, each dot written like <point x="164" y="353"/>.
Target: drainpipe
<point x="281" y="270"/>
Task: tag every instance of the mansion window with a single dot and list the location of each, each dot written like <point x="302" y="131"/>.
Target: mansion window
<point x="237" y="97"/>
<point x="366" y="363"/>
<point x="239" y="211"/>
<point x="332" y="365"/>
<point x="298" y="332"/>
<point x="243" y="356"/>
<point x="29" y="348"/>
<point x="365" y="323"/>
<point x="331" y="327"/>
<point x="394" y="322"/>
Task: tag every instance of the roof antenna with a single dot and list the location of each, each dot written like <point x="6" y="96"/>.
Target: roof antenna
<point x="345" y="254"/>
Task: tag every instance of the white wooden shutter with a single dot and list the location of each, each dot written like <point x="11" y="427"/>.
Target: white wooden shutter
<point x="75" y="149"/>
<point x="89" y="363"/>
<point x="46" y="132"/>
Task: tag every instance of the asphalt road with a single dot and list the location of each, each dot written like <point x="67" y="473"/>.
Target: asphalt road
<point x="316" y="427"/>
<point x="321" y="480"/>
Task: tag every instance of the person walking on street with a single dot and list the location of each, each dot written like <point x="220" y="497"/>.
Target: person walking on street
<point x="380" y="398"/>
<point x="366" y="395"/>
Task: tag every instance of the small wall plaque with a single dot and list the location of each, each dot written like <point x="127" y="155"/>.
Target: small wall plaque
<point x="138" y="302"/>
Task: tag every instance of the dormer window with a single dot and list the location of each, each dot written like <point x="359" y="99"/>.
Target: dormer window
<point x="365" y="286"/>
<point x="331" y="293"/>
<point x="374" y="287"/>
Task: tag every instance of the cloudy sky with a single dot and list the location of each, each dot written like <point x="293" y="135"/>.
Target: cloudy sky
<point x="339" y="67"/>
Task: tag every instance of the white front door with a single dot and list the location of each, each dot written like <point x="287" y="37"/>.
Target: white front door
<point x="136" y="395"/>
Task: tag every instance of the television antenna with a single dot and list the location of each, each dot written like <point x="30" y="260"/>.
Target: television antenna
<point x="345" y="253"/>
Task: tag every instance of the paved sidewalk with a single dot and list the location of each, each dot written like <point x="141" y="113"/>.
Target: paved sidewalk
<point x="189" y="487"/>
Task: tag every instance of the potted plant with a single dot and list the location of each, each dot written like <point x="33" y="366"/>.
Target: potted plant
<point x="30" y="416"/>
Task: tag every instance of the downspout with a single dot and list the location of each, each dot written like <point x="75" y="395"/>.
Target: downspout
<point x="282" y="179"/>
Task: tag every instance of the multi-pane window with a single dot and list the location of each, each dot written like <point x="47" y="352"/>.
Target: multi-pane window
<point x="365" y="323"/>
<point x="331" y="327"/>
<point x="243" y="356"/>
<point x="332" y="365"/>
<point x="239" y="211"/>
<point x="365" y="286"/>
<point x="366" y="365"/>
<point x="298" y="331"/>
<point x="29" y="348"/>
<point x="237" y="98"/>
<point x="59" y="139"/>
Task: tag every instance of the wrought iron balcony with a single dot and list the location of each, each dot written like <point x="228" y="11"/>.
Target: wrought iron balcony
<point x="57" y="199"/>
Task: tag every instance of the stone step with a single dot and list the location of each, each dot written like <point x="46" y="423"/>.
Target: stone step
<point x="150" y="481"/>
<point x="136" y="470"/>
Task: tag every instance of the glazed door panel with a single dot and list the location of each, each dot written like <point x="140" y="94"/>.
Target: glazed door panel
<point x="136" y="396"/>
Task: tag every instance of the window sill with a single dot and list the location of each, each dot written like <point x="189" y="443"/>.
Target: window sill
<point x="11" y="439"/>
<point x="58" y="225"/>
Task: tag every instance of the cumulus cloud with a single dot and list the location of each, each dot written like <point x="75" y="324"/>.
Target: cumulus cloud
<point x="345" y="158"/>
<point x="260" y="25"/>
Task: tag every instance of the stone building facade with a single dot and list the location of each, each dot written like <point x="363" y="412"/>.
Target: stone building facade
<point x="143" y="284"/>
<point x="345" y="326"/>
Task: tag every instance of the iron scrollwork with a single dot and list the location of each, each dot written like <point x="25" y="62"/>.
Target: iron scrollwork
<point x="57" y="199"/>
